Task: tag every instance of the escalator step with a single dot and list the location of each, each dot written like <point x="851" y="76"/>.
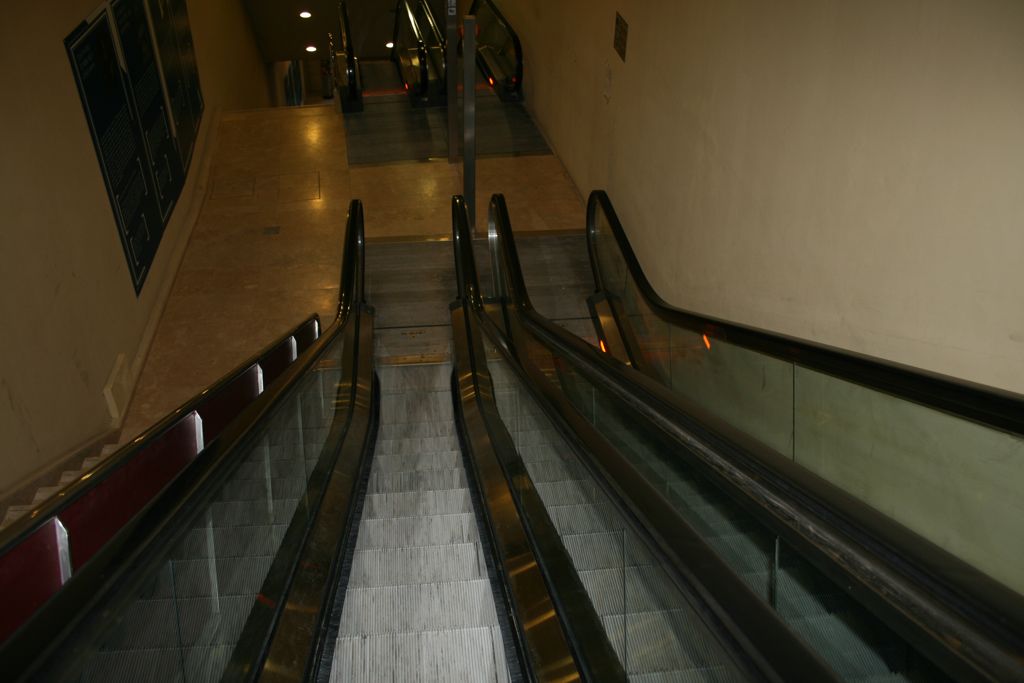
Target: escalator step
<point x="646" y="589"/>
<point x="422" y="444"/>
<point x="426" y="480"/>
<point x="417" y="531"/>
<point x="412" y="462"/>
<point x="417" y="503"/>
<point x="418" y="607"/>
<point x="606" y="550"/>
<point x="468" y="654"/>
<point x="673" y="643"/>
<point x="568" y="492"/>
<point x="586" y="518"/>
<point x="424" y="564"/>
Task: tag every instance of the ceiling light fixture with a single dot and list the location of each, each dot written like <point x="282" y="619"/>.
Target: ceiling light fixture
<point x="311" y="48"/>
<point x="305" y="15"/>
<point x="389" y="45"/>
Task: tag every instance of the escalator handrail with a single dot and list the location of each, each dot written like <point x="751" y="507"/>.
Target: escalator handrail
<point x="432" y="23"/>
<point x="346" y="47"/>
<point x="56" y="618"/>
<point x="421" y="46"/>
<point x="52" y="506"/>
<point x="766" y="642"/>
<point x="947" y="605"/>
<point x="517" y="46"/>
<point x="565" y="649"/>
<point x="997" y="408"/>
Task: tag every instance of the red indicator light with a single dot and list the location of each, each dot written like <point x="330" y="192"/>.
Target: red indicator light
<point x="707" y="342"/>
<point x="601" y="344"/>
<point x="406" y="86"/>
<point x="491" y="81"/>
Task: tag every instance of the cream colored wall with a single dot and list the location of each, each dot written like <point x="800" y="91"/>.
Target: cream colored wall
<point x="67" y="306"/>
<point x="846" y="172"/>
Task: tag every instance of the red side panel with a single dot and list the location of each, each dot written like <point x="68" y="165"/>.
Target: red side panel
<point x="94" y="518"/>
<point x="277" y="359"/>
<point x="225" y="405"/>
<point x="306" y="335"/>
<point x="30" y="573"/>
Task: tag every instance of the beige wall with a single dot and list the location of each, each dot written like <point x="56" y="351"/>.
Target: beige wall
<point x="850" y="172"/>
<point x="67" y="306"/>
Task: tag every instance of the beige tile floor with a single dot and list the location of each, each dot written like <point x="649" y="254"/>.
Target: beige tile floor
<point x="266" y="249"/>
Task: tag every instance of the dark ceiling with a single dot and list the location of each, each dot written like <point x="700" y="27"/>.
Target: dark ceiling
<point x="282" y="35"/>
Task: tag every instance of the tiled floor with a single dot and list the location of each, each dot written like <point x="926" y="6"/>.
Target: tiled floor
<point x="265" y="252"/>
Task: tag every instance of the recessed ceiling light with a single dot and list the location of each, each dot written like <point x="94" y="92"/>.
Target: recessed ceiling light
<point x="305" y="15"/>
<point x="311" y="48"/>
<point x="389" y="45"/>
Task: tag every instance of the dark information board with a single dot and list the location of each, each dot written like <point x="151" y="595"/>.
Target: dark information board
<point x="144" y="84"/>
<point x="143" y="109"/>
<point x="118" y="138"/>
<point x="177" y="55"/>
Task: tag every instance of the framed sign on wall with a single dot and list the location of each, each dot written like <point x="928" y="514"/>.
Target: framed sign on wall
<point x="117" y="67"/>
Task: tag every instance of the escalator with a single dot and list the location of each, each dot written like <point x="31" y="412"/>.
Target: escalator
<point x="464" y="490"/>
<point x="873" y="599"/>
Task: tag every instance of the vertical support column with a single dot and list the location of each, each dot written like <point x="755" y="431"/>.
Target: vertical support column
<point x="452" y="77"/>
<point x="469" y="117"/>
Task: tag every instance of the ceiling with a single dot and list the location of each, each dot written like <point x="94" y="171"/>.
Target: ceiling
<point x="282" y="35"/>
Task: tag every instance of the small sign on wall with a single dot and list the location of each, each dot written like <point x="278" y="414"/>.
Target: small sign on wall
<point x="621" y="34"/>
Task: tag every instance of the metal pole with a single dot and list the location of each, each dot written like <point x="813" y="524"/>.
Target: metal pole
<point x="469" y="117"/>
<point x="452" y="77"/>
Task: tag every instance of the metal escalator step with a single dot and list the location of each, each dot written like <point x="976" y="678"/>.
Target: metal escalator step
<point x="417" y="503"/>
<point x="426" y="480"/>
<point x="802" y="592"/>
<point x="570" y="492"/>
<point x="585" y="518"/>
<point x="403" y="378"/>
<point x="529" y="436"/>
<point x="233" y="576"/>
<point x="237" y="541"/>
<point x="416" y="407"/>
<point x="704" y="674"/>
<point x="188" y="622"/>
<point x="248" y="512"/>
<point x="261" y="489"/>
<point x="669" y="641"/>
<point x="468" y="654"/>
<point x="405" y="430"/>
<point x="418" y="607"/>
<point x="606" y="550"/>
<point x="744" y="553"/>
<point x="423" y="564"/>
<point x="843" y="646"/>
<point x="539" y="452"/>
<point x="646" y="589"/>
<point x="555" y="470"/>
<point x="409" y="462"/>
<point x="425" y="444"/>
<point x="405" y="532"/>
<point x="258" y="469"/>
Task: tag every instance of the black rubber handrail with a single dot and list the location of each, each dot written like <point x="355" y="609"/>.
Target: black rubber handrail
<point x="560" y="634"/>
<point x="1003" y="410"/>
<point x="517" y="46"/>
<point x="964" y="619"/>
<point x="351" y="66"/>
<point x="40" y="637"/>
<point x="769" y="645"/>
<point x="423" y="86"/>
<point x="282" y="640"/>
